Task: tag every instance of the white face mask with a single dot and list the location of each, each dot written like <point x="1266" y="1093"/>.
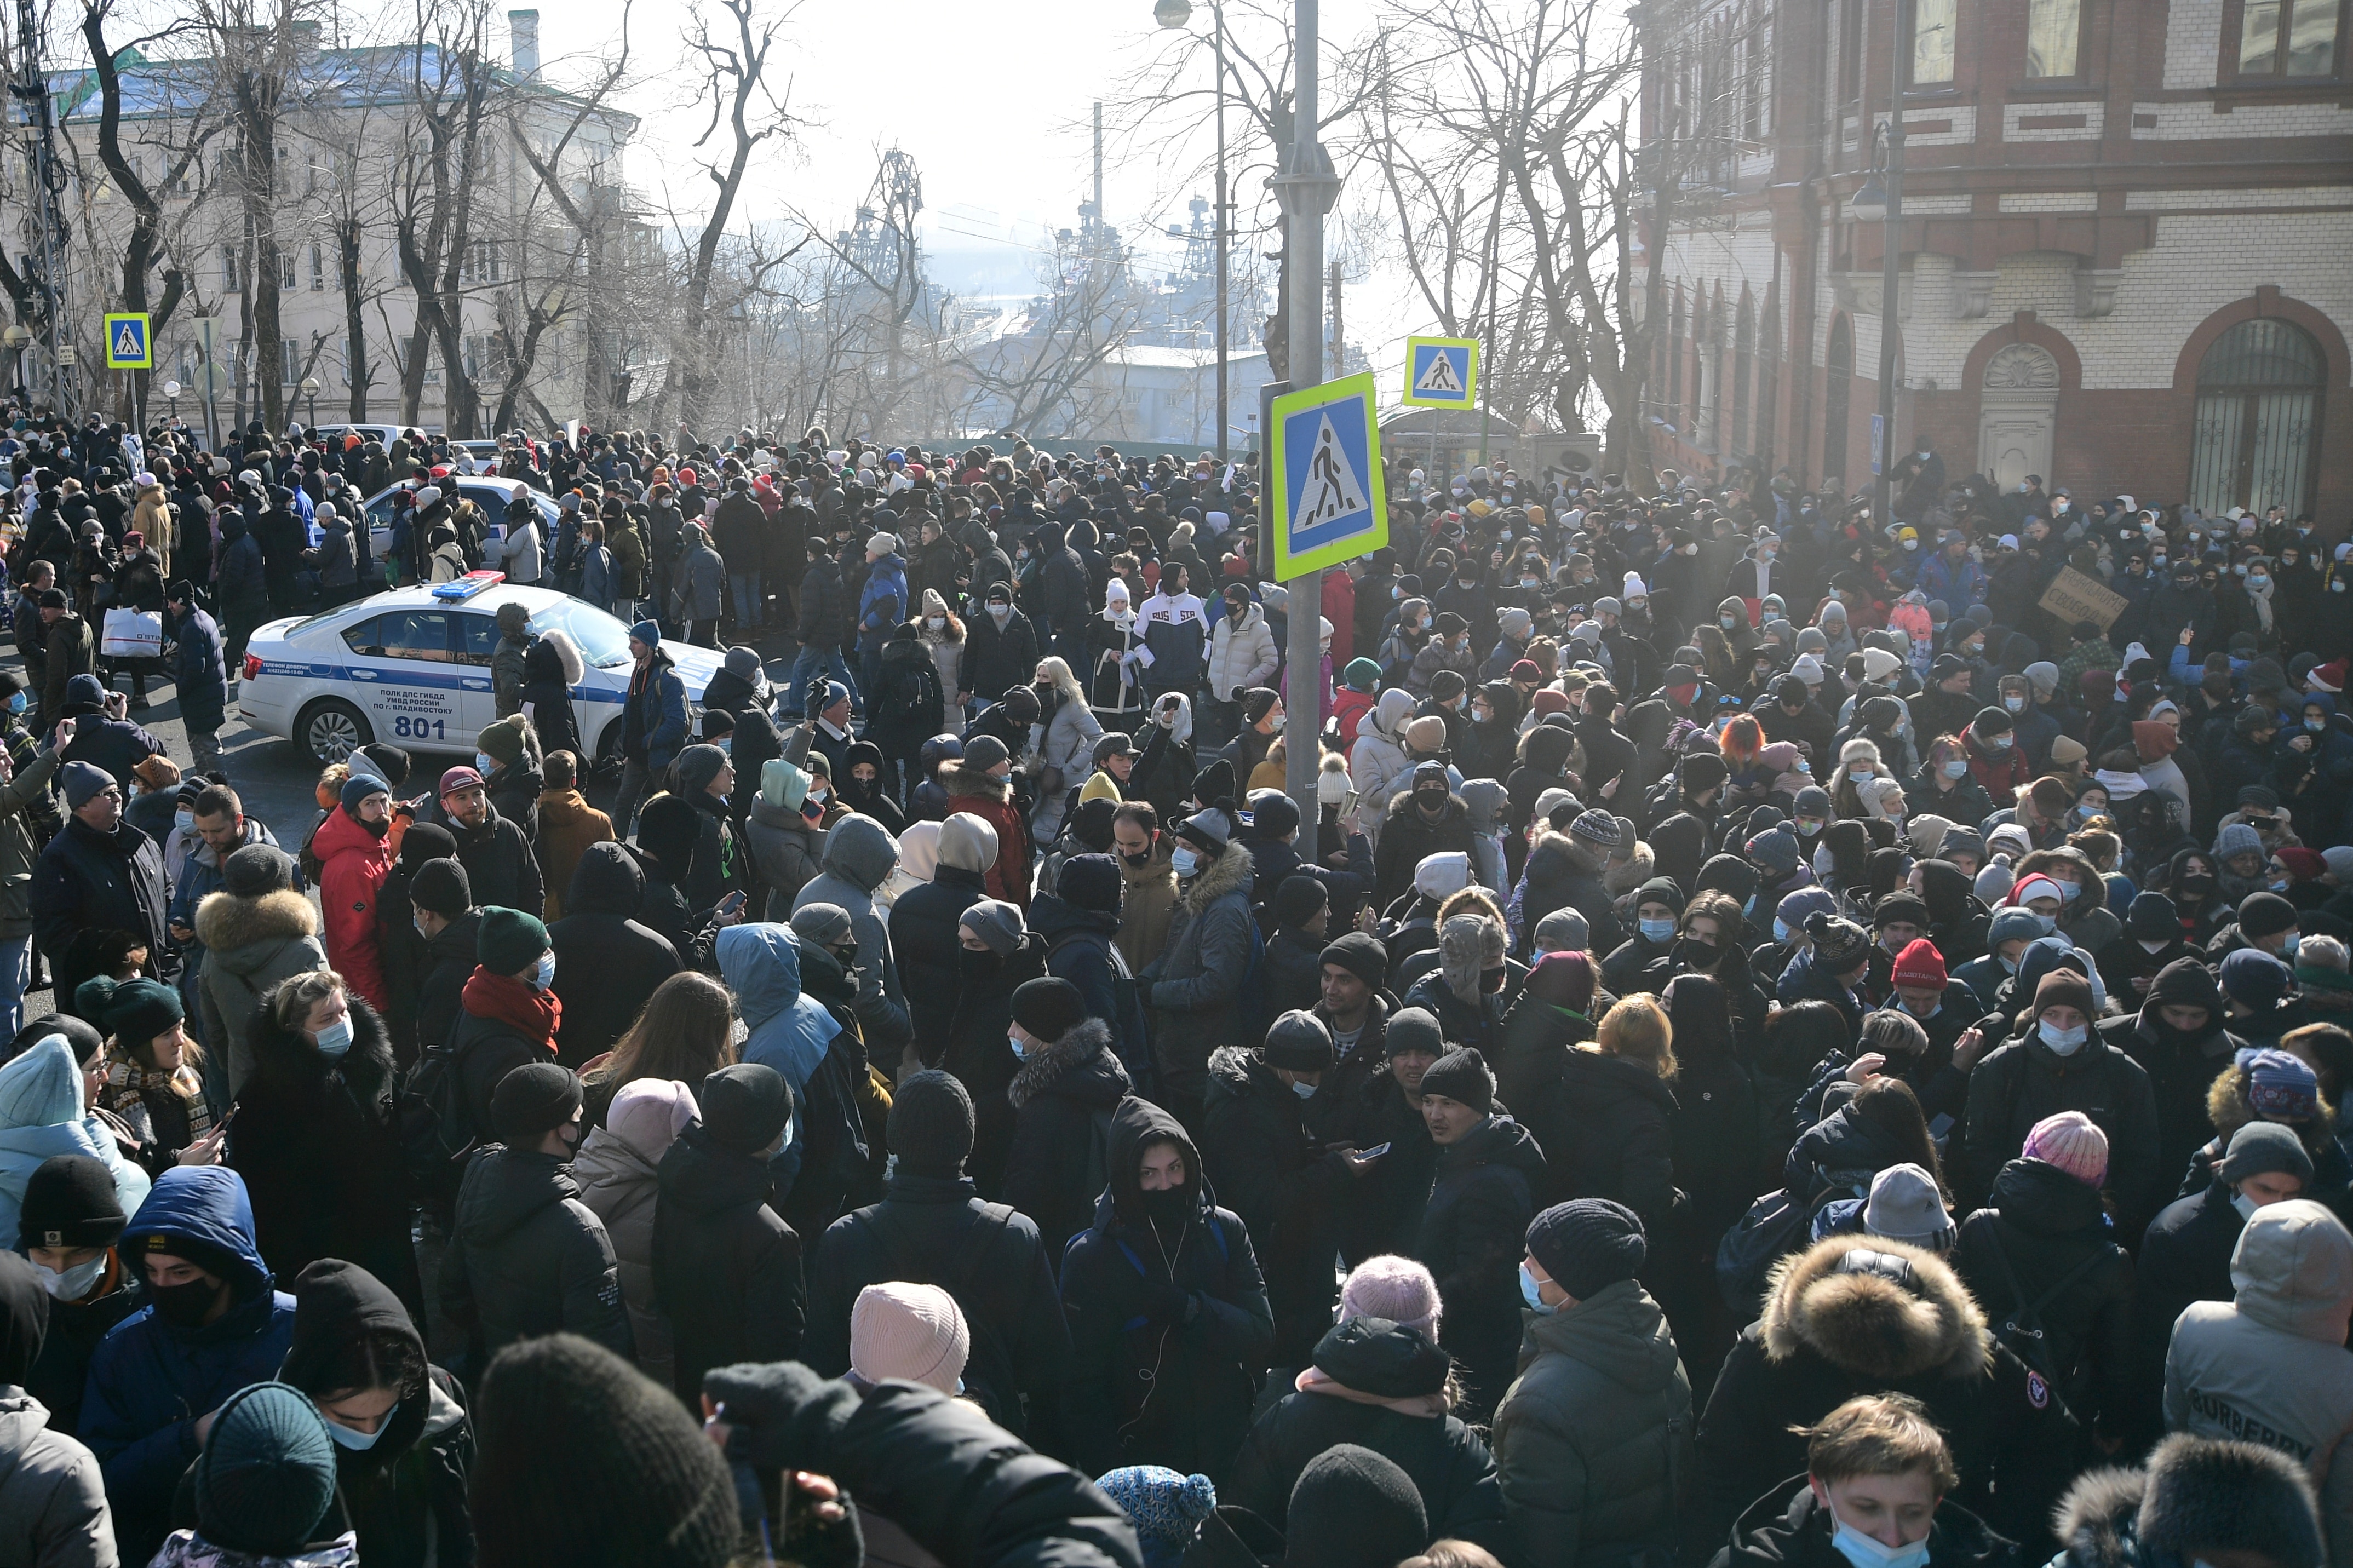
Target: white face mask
<point x="335" y="1041"/>
<point x="2065" y="1042"/>
<point x="74" y="1283"/>
<point x="940" y="623"/>
<point x="1021" y="1048"/>
<point x="1183" y="861"/>
<point x="344" y="1437"/>
<point x="1303" y="1089"/>
<point x="1867" y="1552"/>
<point x="2244" y="1204"/>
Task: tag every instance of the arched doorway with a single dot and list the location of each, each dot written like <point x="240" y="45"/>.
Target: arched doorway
<point x="2258" y="426"/>
<point x="2018" y="413"/>
<point x="1839" y="364"/>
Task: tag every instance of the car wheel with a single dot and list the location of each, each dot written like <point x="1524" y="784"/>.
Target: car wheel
<point x="607" y="765"/>
<point x="331" y="729"/>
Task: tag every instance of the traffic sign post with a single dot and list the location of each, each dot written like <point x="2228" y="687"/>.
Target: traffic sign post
<point x="1325" y="500"/>
<point x="1878" y="443"/>
<point x="1442" y="372"/>
<point x="129" y="341"/>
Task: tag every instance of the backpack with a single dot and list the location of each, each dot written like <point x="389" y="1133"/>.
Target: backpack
<point x="435" y="1143"/>
<point x="1125" y="1005"/>
<point x="1776" y="1226"/>
<point x="1251" y="1020"/>
<point x="989" y="1376"/>
<point x="2021" y="1327"/>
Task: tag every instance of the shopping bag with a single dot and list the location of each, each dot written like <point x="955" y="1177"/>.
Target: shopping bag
<point x="133" y="634"/>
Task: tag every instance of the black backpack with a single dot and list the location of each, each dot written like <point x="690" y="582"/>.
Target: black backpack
<point x="2021" y="1327"/>
<point x="988" y="1376"/>
<point x="435" y="1140"/>
<point x="1776" y="1226"/>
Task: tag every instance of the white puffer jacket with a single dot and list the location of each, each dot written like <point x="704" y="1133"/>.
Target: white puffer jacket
<point x="1241" y="655"/>
<point x="1378" y="764"/>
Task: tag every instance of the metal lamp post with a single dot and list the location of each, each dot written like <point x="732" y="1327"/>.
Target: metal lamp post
<point x="1174" y="14"/>
<point x="309" y="390"/>
<point x="1881" y="201"/>
<point x="171" y="401"/>
<point x="18" y="337"/>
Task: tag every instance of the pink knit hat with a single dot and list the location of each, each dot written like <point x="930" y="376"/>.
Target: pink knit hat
<point x="911" y="1331"/>
<point x="2073" y="1142"/>
<point x="649" y="1113"/>
<point x="1396" y="1288"/>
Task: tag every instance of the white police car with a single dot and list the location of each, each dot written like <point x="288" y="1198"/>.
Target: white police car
<point x="412" y="666"/>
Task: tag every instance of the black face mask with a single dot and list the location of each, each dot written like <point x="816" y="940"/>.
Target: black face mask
<point x="184" y="1306"/>
<point x="1694" y="954"/>
<point x="969" y="962"/>
<point x="1168" y="1208"/>
<point x="1431" y="802"/>
<point x="1140" y="859"/>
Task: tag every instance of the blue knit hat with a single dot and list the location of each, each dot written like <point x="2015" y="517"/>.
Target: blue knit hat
<point x="1166" y="1508"/>
<point x="648" y="632"/>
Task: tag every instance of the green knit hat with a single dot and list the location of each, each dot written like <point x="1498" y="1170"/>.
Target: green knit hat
<point x="510" y="940"/>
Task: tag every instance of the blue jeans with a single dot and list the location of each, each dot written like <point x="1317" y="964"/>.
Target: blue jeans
<point x="811" y="664"/>
<point x="15" y="970"/>
<point x="744" y="588"/>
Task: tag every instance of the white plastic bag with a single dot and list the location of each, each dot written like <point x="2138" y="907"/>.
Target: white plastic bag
<point x="133" y="634"/>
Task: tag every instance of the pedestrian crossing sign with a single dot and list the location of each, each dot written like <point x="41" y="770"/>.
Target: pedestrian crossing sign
<point x="1442" y="372"/>
<point x="1324" y="497"/>
<point x="129" y="342"/>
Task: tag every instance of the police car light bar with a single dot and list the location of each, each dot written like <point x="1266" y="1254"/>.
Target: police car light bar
<point x="471" y="583"/>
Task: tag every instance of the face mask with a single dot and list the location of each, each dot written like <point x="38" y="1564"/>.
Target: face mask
<point x="2157" y="558"/>
<point x="2065" y="1042"/>
<point x="1780" y="928"/>
<point x="1304" y="1090"/>
<point x="1864" y="1551"/>
<point x="484" y="764"/>
<point x="1020" y="1049"/>
<point x="1998" y="744"/>
<point x="15" y="702"/>
<point x="344" y="1437"/>
<point x="75" y="1282"/>
<point x="1532" y="1296"/>
<point x="1656" y="931"/>
<point x="184" y="820"/>
<point x="2258" y="583"/>
<point x="336" y="1039"/>
<point x="2295" y="938"/>
<point x="1809" y="826"/>
<point x="1274" y="725"/>
<point x="545" y="975"/>
<point x="1184" y="860"/>
<point x="1000" y="613"/>
<point x="2015" y="704"/>
<point x="2316" y="725"/>
<point x="1531" y="581"/>
<point x="2244" y="1204"/>
<point x="184" y="1306"/>
<point x="1956" y="768"/>
<point x="937" y="623"/>
<point x="1728" y="622"/>
<point x="1824" y="862"/>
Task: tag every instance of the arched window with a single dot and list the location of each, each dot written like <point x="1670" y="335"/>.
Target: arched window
<point x="2258" y="419"/>
<point x="1744" y="354"/>
<point x="1839" y="364"/>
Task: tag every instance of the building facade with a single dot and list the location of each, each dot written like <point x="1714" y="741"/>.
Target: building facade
<point x="2125" y="241"/>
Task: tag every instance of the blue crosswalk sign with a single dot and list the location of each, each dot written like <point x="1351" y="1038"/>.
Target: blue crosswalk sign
<point x="129" y="342"/>
<point x="1442" y="372"/>
<point x="1326" y="499"/>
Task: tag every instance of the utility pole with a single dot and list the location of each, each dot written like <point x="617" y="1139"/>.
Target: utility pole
<point x="1223" y="223"/>
<point x="32" y="91"/>
<point x="1339" y="339"/>
<point x="1096" y="212"/>
<point x="1306" y="188"/>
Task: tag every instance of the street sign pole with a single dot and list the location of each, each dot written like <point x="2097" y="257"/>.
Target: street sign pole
<point x="207" y="328"/>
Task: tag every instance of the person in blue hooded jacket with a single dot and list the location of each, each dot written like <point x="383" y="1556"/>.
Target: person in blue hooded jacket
<point x="795" y="1034"/>
<point x="213" y="1326"/>
<point x="42" y="1116"/>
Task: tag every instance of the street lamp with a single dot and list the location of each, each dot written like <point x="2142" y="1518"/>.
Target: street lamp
<point x="310" y="391"/>
<point x="1174" y="14"/>
<point x="1881" y="201"/>
<point x="171" y="397"/>
<point x="17" y="337"/>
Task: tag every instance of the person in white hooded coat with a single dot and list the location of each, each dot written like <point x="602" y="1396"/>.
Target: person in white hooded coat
<point x="1379" y="765"/>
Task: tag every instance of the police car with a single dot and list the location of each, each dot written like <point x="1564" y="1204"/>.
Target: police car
<point x="412" y="666"/>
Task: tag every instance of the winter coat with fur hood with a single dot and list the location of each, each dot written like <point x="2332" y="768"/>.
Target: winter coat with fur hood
<point x="2270" y="1366"/>
<point x="990" y="798"/>
<point x="1891" y="1318"/>
<point x="1062" y="1099"/>
<point x="2192" y="1490"/>
<point x="250" y="944"/>
<point x="1788" y="1527"/>
<point x="1407" y="837"/>
<point x="1192" y="988"/>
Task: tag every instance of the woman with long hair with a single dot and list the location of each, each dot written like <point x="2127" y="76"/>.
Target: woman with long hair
<point x="943" y="633"/>
<point x="686" y="1033"/>
<point x="155" y="1072"/>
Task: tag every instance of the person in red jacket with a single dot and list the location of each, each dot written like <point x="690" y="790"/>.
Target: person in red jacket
<point x="981" y="783"/>
<point x="355" y="852"/>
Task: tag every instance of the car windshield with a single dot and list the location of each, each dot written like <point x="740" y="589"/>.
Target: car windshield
<point x="604" y="640"/>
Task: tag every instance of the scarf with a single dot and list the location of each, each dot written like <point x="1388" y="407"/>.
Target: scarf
<point x="529" y="1011"/>
<point x="1315" y="1380"/>
<point x="128" y="1085"/>
<point x="2261" y="600"/>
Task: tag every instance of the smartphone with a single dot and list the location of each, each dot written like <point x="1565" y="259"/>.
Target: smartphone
<point x="234" y="1107"/>
<point x="731" y="904"/>
<point x="1363" y="1156"/>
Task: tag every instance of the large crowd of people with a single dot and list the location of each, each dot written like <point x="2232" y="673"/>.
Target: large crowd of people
<point x="1784" y="1036"/>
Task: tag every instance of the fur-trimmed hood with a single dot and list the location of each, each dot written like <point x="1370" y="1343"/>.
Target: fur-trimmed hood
<point x="1079" y="1065"/>
<point x="959" y="779"/>
<point x="1401" y="807"/>
<point x="1866" y="1323"/>
<point x="1558" y="855"/>
<point x="2196" y="1492"/>
<point x="1231" y="870"/>
<point x="225" y="922"/>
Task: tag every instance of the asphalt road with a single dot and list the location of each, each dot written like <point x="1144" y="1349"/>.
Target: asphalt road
<point x="276" y="781"/>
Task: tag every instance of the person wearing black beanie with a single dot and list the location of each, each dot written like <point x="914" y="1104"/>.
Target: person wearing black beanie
<point x="526" y="1256"/>
<point x="1350" y="1508"/>
<point x="2181" y="1034"/>
<point x="402" y="943"/>
<point x="1265" y="1145"/>
<point x="930" y="1228"/>
<point x="727" y="1268"/>
<point x="582" y="1460"/>
<point x="1475" y="1225"/>
<point x="55" y="1503"/>
<point x="67" y="1226"/>
<point x="1596" y="1432"/>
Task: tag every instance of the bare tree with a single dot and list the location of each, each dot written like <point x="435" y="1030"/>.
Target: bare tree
<point x="449" y="88"/>
<point x="1044" y="368"/>
<point x="734" y="49"/>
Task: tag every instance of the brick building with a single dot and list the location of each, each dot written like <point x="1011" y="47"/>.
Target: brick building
<point x="2126" y="240"/>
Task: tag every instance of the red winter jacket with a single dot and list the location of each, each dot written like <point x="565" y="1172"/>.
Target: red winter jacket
<point x="356" y="863"/>
<point x="991" y="800"/>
